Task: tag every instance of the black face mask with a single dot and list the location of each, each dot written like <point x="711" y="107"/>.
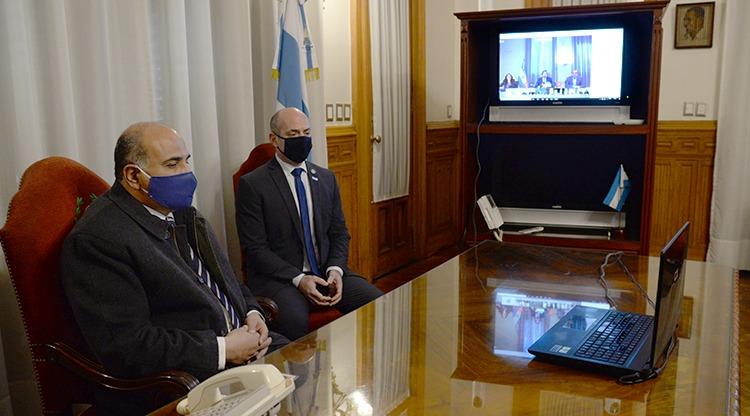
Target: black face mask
<point x="297" y="148"/>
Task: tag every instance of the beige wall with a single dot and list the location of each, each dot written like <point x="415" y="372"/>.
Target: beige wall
<point x="336" y="56"/>
<point x="442" y="54"/>
<point x="690" y="75"/>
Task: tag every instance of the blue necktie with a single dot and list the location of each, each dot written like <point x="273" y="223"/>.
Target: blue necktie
<point x="305" y="217"/>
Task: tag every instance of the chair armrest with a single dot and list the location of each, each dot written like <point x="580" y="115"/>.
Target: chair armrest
<point x="270" y="308"/>
<point x="174" y="383"/>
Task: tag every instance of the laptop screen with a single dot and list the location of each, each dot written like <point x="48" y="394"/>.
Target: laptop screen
<point x="669" y="294"/>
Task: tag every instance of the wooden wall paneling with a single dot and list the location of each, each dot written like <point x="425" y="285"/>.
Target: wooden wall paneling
<point x="402" y="230"/>
<point x="537" y="3"/>
<point x="384" y="228"/>
<point x="394" y="234"/>
<point x="342" y="160"/>
<point x="683" y="182"/>
<point x="443" y="186"/>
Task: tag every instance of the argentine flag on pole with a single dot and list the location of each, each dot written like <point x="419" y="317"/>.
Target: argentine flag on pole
<point x="294" y="65"/>
<point x="619" y="190"/>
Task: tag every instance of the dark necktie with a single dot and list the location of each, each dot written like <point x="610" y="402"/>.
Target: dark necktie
<point x="204" y="277"/>
<point x="299" y="186"/>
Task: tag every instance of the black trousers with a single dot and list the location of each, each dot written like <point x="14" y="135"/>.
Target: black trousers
<point x="294" y="308"/>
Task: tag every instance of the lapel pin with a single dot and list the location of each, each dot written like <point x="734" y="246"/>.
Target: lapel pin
<point x="315" y="178"/>
<point x="313" y="171"/>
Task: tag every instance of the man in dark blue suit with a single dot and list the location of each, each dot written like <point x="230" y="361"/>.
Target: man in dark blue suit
<point x="293" y="233"/>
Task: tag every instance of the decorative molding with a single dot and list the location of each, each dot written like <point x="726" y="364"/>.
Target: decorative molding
<point x="441" y="141"/>
<point x="342" y="151"/>
<point x="340" y="131"/>
<point x="537" y="3"/>
<point x="440" y="125"/>
<point x="691" y="125"/>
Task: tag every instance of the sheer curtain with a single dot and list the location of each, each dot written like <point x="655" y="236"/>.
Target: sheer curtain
<point x="391" y="353"/>
<point x="391" y="99"/>
<point x="730" y="210"/>
<point x="75" y="73"/>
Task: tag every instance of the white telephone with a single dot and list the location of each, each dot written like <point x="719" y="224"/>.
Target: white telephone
<point x="491" y="214"/>
<point x="250" y="390"/>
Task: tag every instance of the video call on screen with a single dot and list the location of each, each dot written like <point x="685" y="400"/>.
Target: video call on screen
<point x="560" y="65"/>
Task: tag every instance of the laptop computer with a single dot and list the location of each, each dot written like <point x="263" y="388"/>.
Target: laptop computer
<point x="623" y="343"/>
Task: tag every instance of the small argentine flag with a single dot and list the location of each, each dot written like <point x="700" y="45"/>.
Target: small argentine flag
<point x="619" y="190"/>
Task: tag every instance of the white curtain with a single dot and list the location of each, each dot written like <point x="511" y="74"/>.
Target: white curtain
<point x="391" y="353"/>
<point x="391" y="86"/>
<point x="730" y="210"/>
<point x="75" y="73"/>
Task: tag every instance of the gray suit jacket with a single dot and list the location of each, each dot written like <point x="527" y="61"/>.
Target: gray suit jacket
<point x="270" y="229"/>
<point x="136" y="299"/>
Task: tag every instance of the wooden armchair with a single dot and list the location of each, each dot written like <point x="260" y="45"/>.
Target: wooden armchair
<point x="262" y="153"/>
<point x="53" y="193"/>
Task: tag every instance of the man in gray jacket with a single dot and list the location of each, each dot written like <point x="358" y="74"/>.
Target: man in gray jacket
<point x="149" y="285"/>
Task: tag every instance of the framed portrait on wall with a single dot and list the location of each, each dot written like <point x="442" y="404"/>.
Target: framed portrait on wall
<point x="694" y="25"/>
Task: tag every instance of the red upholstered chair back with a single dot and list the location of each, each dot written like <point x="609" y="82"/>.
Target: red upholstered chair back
<point x="52" y="194"/>
<point x="261" y="154"/>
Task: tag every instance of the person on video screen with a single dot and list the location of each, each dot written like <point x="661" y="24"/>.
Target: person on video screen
<point x="508" y="82"/>
<point x="574" y="80"/>
<point x="544" y="81"/>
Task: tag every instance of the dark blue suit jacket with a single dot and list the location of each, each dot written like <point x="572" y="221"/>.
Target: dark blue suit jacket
<point x="270" y="229"/>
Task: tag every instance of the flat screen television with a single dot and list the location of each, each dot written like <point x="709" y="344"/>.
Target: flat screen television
<point x="580" y="67"/>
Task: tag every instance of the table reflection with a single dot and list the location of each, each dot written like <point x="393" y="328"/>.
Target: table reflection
<point x="454" y="342"/>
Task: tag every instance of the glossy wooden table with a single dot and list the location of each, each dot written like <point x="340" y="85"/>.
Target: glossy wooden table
<point x="454" y="342"/>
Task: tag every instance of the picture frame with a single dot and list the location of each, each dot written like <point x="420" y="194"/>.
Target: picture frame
<point x="694" y="25"/>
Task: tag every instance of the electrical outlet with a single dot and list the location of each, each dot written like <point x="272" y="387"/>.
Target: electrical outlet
<point x="688" y="109"/>
<point x="449" y="111"/>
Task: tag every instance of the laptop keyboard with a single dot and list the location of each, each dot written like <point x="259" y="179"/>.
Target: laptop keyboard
<point x="616" y="337"/>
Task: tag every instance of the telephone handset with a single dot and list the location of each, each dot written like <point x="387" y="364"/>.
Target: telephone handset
<point x="492" y="216"/>
<point x="249" y="390"/>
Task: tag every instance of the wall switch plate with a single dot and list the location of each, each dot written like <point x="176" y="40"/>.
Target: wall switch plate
<point x="700" y="109"/>
<point x="688" y="109"/>
<point x="329" y="112"/>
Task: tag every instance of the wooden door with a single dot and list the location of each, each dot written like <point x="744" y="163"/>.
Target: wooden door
<point x="384" y="232"/>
